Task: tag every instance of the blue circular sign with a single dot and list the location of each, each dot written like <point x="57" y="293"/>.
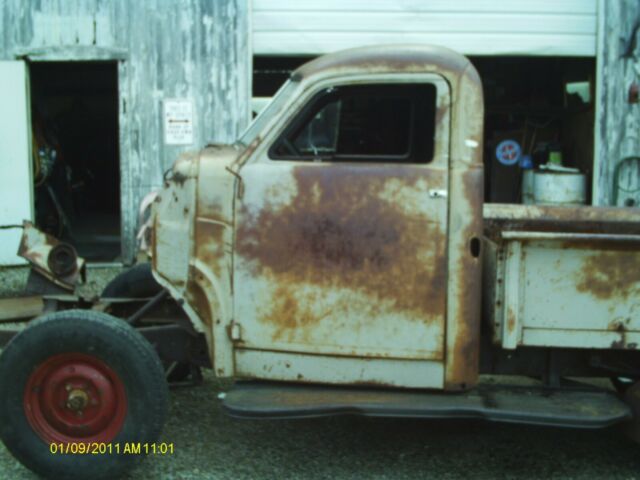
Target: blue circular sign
<point x="508" y="152"/>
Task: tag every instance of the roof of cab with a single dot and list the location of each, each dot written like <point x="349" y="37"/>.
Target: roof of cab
<point x="386" y="58"/>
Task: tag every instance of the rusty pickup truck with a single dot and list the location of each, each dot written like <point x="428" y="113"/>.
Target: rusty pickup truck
<point x="339" y="259"/>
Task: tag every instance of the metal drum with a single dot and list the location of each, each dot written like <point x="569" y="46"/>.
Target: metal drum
<point x="559" y="188"/>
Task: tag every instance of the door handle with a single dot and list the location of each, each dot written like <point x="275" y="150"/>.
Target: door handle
<point x="437" y="194"/>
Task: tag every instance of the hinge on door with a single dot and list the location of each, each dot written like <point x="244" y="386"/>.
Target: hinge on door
<point x="437" y="193"/>
<point x="234" y="331"/>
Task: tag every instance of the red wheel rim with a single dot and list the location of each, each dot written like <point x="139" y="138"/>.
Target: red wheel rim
<point x="73" y="397"/>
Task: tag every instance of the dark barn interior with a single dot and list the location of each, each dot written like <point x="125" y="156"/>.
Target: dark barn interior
<point x="76" y="154"/>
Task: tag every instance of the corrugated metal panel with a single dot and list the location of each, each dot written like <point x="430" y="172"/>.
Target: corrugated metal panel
<point x="186" y="49"/>
<point x="476" y="27"/>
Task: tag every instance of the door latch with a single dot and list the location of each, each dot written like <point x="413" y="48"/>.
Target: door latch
<point x="437" y="194"/>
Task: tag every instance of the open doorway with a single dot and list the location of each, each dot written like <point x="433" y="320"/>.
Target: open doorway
<point x="76" y="154"/>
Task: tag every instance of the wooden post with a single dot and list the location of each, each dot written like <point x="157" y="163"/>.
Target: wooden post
<point x="616" y="178"/>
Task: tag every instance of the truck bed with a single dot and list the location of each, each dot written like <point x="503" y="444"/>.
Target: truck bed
<point x="562" y="276"/>
<point x="501" y="217"/>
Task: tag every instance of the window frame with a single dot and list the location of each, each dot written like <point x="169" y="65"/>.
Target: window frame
<point x="324" y="97"/>
<point x="301" y="92"/>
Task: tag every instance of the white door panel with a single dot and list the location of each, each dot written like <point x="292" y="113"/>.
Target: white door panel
<point x="16" y="185"/>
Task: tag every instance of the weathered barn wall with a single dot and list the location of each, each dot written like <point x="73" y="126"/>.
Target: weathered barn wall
<point x="617" y="128"/>
<point x="479" y="27"/>
<point x="186" y="49"/>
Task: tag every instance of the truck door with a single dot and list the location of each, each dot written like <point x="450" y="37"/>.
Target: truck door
<point x="341" y="235"/>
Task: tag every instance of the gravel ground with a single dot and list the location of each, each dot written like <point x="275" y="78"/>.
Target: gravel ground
<point x="210" y="445"/>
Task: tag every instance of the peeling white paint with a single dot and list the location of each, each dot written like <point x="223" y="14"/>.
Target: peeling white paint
<point x="616" y="124"/>
<point x="189" y="48"/>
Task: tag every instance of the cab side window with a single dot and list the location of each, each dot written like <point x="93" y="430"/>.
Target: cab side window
<point x="366" y="123"/>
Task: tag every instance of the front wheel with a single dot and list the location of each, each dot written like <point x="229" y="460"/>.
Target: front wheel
<point x="80" y="378"/>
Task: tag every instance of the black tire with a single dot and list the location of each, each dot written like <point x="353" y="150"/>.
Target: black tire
<point x="105" y="340"/>
<point x="136" y="282"/>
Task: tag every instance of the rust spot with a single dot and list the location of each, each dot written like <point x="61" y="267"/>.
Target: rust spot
<point x="43" y="252"/>
<point x="386" y="59"/>
<point x="352" y="229"/>
<point x="616" y="326"/>
<point x="463" y="361"/>
<point x="511" y="320"/>
<point x="575" y="219"/>
<point x="209" y="243"/>
<point x="248" y="152"/>
<point x="178" y="178"/>
<point x="290" y="310"/>
<point x="609" y="275"/>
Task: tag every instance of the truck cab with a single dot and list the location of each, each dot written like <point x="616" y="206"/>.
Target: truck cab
<point x="338" y="241"/>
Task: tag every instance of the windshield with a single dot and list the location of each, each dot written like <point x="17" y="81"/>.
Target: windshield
<point x="268" y="113"/>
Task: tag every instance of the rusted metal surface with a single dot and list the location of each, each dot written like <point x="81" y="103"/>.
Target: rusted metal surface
<point x="333" y="369"/>
<point x="355" y="254"/>
<point x="576" y="290"/>
<point x="189" y="257"/>
<point x="53" y="259"/>
<point x="463" y="335"/>
<point x="465" y="224"/>
<point x="211" y="284"/>
<point x="505" y="217"/>
<point x="350" y="228"/>
<point x="191" y="243"/>
<point x="607" y="275"/>
<point x="333" y="259"/>
<point x="396" y="59"/>
<point x="345" y="260"/>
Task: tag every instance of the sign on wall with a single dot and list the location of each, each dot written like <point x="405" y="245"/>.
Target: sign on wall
<point x="178" y="121"/>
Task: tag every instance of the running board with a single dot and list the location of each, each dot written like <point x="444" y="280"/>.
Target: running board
<point x="574" y="407"/>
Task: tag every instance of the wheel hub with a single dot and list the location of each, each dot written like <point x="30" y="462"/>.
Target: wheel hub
<point x="75" y="397"/>
<point x="77" y="400"/>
